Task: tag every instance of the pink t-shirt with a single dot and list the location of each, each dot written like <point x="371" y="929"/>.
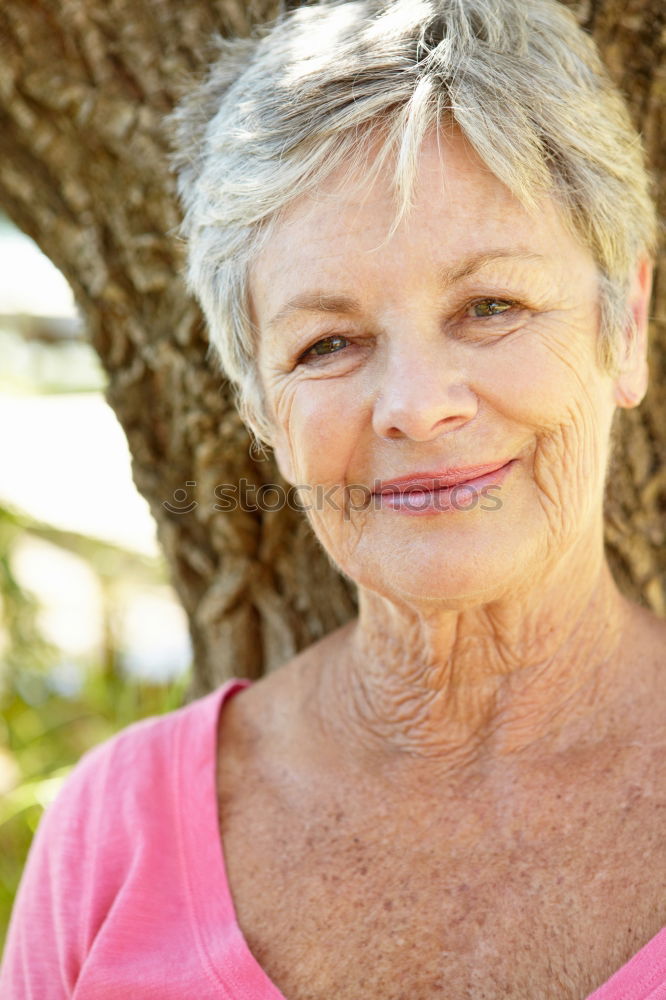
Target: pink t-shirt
<point x="125" y="895"/>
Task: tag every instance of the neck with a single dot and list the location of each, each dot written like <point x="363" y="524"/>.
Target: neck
<point x="537" y="669"/>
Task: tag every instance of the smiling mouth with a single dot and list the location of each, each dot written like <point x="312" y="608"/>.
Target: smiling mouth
<point x="433" y="482"/>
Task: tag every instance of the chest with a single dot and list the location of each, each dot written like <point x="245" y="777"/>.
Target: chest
<point x="457" y="906"/>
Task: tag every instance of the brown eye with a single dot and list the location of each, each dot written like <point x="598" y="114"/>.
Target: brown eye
<point x="489" y="307"/>
<point x="326" y="346"/>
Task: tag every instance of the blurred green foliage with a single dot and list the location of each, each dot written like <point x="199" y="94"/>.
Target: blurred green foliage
<point x="44" y="728"/>
<point x="54" y="707"/>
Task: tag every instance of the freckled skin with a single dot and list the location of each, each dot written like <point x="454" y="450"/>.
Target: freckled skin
<point x="418" y="784"/>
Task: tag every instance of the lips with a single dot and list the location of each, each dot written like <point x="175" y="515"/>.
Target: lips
<point x="430" y="481"/>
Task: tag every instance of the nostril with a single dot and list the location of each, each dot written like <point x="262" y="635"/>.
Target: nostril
<point x="424" y="407"/>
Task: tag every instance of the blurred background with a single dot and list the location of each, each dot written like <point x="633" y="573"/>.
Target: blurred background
<point x="92" y="637"/>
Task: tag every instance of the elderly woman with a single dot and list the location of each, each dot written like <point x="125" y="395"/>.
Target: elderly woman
<point x="421" y="234"/>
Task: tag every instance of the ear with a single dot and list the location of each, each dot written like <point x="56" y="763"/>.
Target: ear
<point x="631" y="383"/>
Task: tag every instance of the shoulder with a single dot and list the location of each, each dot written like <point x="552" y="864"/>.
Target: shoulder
<point x="136" y="752"/>
<point x="111" y="843"/>
<point x="128" y="781"/>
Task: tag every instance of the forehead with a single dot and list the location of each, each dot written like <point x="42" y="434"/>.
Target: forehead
<point x="340" y="237"/>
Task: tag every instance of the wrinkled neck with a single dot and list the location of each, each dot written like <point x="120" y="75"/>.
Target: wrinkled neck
<point x="534" y="668"/>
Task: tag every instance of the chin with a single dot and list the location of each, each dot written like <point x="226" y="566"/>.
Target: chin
<point x="457" y="591"/>
<point x="457" y="573"/>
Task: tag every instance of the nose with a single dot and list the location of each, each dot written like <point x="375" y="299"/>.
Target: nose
<point x="420" y="398"/>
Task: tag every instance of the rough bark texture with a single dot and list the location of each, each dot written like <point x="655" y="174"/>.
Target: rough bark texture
<point x="84" y="87"/>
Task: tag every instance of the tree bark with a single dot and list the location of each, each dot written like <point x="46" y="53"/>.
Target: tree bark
<point x="84" y="88"/>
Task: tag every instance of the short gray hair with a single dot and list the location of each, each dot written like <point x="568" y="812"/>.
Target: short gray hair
<point x="279" y="112"/>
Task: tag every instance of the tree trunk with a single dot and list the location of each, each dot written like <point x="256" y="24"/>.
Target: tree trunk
<point x="84" y="88"/>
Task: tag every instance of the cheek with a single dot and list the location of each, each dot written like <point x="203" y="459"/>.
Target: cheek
<point x="321" y="422"/>
<point x="556" y="390"/>
<point x="569" y="471"/>
<point x="547" y="374"/>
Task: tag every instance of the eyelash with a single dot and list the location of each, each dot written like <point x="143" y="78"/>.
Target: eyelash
<point x="509" y="303"/>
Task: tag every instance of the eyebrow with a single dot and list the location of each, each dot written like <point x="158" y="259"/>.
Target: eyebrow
<point x="448" y="276"/>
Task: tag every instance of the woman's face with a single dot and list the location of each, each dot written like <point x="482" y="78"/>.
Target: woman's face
<point x="465" y="340"/>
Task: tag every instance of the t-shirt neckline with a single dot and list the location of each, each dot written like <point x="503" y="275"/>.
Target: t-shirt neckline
<point x="224" y="952"/>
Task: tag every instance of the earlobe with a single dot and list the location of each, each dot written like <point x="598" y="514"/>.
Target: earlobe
<point x="629" y="395"/>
